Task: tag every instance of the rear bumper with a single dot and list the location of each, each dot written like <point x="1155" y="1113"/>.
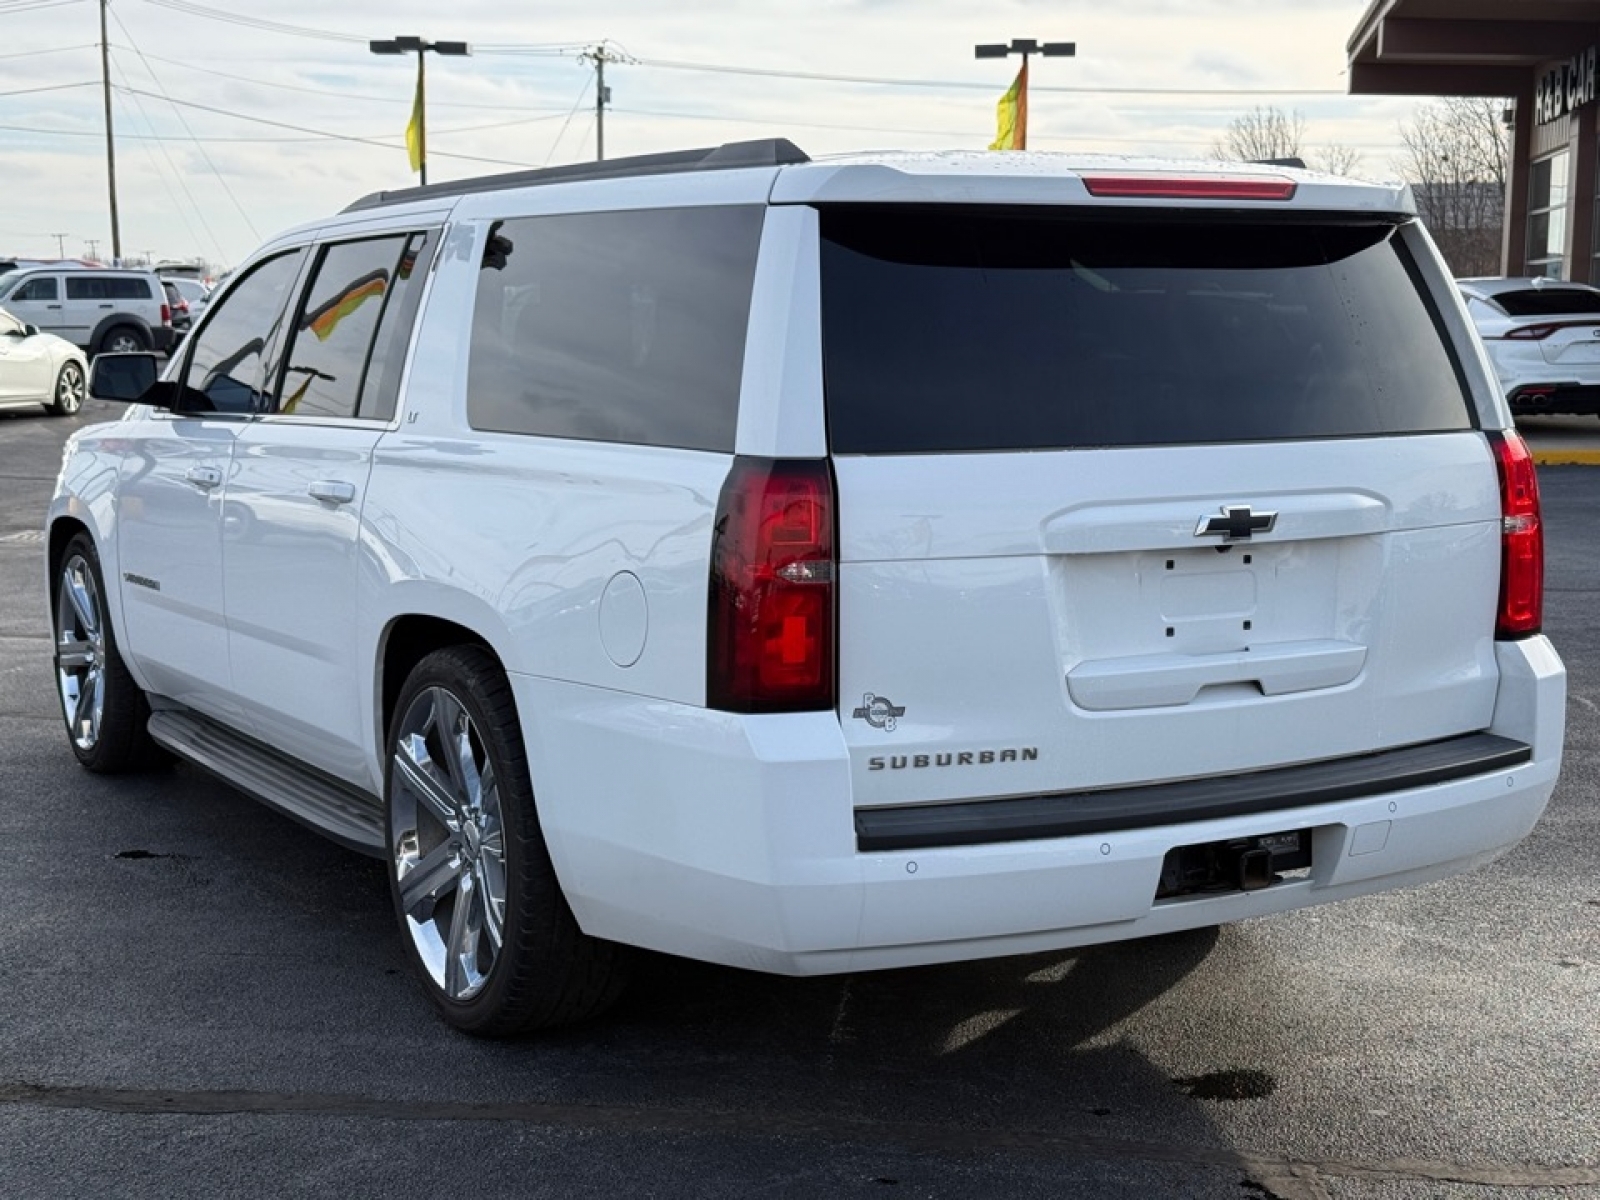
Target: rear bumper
<point x="1575" y="398"/>
<point x="733" y="839"/>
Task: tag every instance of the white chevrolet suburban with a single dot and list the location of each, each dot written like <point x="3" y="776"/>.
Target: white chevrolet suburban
<point x="819" y="566"/>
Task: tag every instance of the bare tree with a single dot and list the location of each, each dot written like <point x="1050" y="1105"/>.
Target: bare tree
<point x="1335" y="159"/>
<point x="1262" y="133"/>
<point x="1455" y="159"/>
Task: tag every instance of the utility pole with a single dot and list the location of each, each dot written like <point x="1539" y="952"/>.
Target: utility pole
<point x="61" y="244"/>
<point x="111" y="145"/>
<point x="600" y="55"/>
<point x="94" y="247"/>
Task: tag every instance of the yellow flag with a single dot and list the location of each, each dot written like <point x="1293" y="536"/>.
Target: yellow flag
<point x="1012" y="115"/>
<point x="414" y="131"/>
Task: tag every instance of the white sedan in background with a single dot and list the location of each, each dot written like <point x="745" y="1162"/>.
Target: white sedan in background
<point x="39" y="368"/>
<point x="1543" y="336"/>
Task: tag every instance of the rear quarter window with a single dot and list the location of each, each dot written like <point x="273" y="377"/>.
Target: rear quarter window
<point x="615" y="327"/>
<point x="951" y="331"/>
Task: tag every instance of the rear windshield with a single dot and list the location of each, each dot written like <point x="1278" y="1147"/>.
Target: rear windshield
<point x="1548" y="302"/>
<point x="950" y="331"/>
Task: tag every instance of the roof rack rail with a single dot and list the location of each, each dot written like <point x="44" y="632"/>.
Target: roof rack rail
<point x="766" y="152"/>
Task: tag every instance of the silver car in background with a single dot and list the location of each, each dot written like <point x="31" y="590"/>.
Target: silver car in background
<point x="1543" y="336"/>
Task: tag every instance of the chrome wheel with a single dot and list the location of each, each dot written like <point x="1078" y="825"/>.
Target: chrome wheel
<point x="69" y="390"/>
<point x="80" y="652"/>
<point x="447" y="841"/>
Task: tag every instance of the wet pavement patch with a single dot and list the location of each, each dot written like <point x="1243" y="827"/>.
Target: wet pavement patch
<point x="1229" y="1085"/>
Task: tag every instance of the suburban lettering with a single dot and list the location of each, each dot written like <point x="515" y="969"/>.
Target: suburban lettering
<point x="951" y="758"/>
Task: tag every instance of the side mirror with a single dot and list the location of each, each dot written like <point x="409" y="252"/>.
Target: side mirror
<point x="123" y="377"/>
<point x="30" y="331"/>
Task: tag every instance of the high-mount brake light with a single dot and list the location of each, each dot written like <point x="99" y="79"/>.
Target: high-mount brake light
<point x="1191" y="187"/>
<point x="773" y="609"/>
<point x="1521" y="611"/>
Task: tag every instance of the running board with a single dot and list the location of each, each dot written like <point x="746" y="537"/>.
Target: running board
<point x="336" y="810"/>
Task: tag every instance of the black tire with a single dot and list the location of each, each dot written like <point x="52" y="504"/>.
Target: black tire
<point x="123" y="339"/>
<point x="69" y="390"/>
<point x="544" y="971"/>
<point x="105" y="711"/>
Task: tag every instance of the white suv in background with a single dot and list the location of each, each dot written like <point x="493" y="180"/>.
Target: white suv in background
<point x="98" y="310"/>
<point x="826" y="566"/>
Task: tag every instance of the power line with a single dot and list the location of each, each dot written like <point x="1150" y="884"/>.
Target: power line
<point x="177" y="174"/>
<point x="35" y="5"/>
<point x="52" y="50"/>
<point x="882" y="81"/>
<point x="250" y="225"/>
<point x="54" y="87"/>
<point x="322" y="133"/>
<point x="310" y="91"/>
<point x="560" y="133"/>
<point x="200" y="10"/>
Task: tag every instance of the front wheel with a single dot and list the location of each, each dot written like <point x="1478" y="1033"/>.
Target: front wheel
<point x="486" y="926"/>
<point x="68" y="396"/>
<point x="105" y="710"/>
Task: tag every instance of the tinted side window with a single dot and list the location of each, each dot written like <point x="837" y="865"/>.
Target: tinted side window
<point x="42" y="288"/>
<point x="226" y="371"/>
<point x="127" y="289"/>
<point x="616" y="327"/>
<point x="327" y="358"/>
<point x="382" y="387"/>
<point x="84" y="287"/>
<point x="948" y="331"/>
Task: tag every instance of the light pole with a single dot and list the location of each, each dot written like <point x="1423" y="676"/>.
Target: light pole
<point x="1019" y="102"/>
<point x="417" y="130"/>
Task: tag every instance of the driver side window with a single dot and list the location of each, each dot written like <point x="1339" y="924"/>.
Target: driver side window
<point x="229" y="365"/>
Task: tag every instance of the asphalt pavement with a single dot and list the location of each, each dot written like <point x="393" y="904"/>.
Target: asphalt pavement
<point x="203" y="999"/>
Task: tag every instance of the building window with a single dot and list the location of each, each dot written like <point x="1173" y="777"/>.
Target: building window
<point x="1547" y="216"/>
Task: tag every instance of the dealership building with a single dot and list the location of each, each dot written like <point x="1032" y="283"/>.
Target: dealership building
<point x="1541" y="55"/>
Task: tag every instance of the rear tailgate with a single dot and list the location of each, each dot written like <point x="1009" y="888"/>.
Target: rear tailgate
<point x="1133" y="500"/>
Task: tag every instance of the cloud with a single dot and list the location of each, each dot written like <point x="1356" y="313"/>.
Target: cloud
<point x="222" y="121"/>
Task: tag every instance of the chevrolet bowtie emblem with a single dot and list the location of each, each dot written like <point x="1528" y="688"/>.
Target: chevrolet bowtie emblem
<point x="1238" y="523"/>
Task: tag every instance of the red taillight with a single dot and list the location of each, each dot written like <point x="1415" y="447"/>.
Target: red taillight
<point x="1531" y="333"/>
<point x="770" y="644"/>
<point x="166" y="315"/>
<point x="1522" y="539"/>
<point x="1184" y="187"/>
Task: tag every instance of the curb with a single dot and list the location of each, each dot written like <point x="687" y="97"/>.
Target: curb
<point x="1554" y="457"/>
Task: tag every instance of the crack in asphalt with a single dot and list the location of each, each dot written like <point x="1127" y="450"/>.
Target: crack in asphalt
<point x="1290" y="1177"/>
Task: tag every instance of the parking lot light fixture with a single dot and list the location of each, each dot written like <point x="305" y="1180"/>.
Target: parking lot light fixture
<point x="417" y="128"/>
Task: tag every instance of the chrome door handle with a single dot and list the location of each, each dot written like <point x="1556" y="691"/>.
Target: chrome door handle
<point x="334" y="491"/>
<point x="204" y="478"/>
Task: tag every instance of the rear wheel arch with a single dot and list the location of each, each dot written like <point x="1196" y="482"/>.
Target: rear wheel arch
<point x="406" y="642"/>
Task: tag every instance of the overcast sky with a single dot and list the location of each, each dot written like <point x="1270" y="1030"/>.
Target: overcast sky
<point x="235" y="120"/>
